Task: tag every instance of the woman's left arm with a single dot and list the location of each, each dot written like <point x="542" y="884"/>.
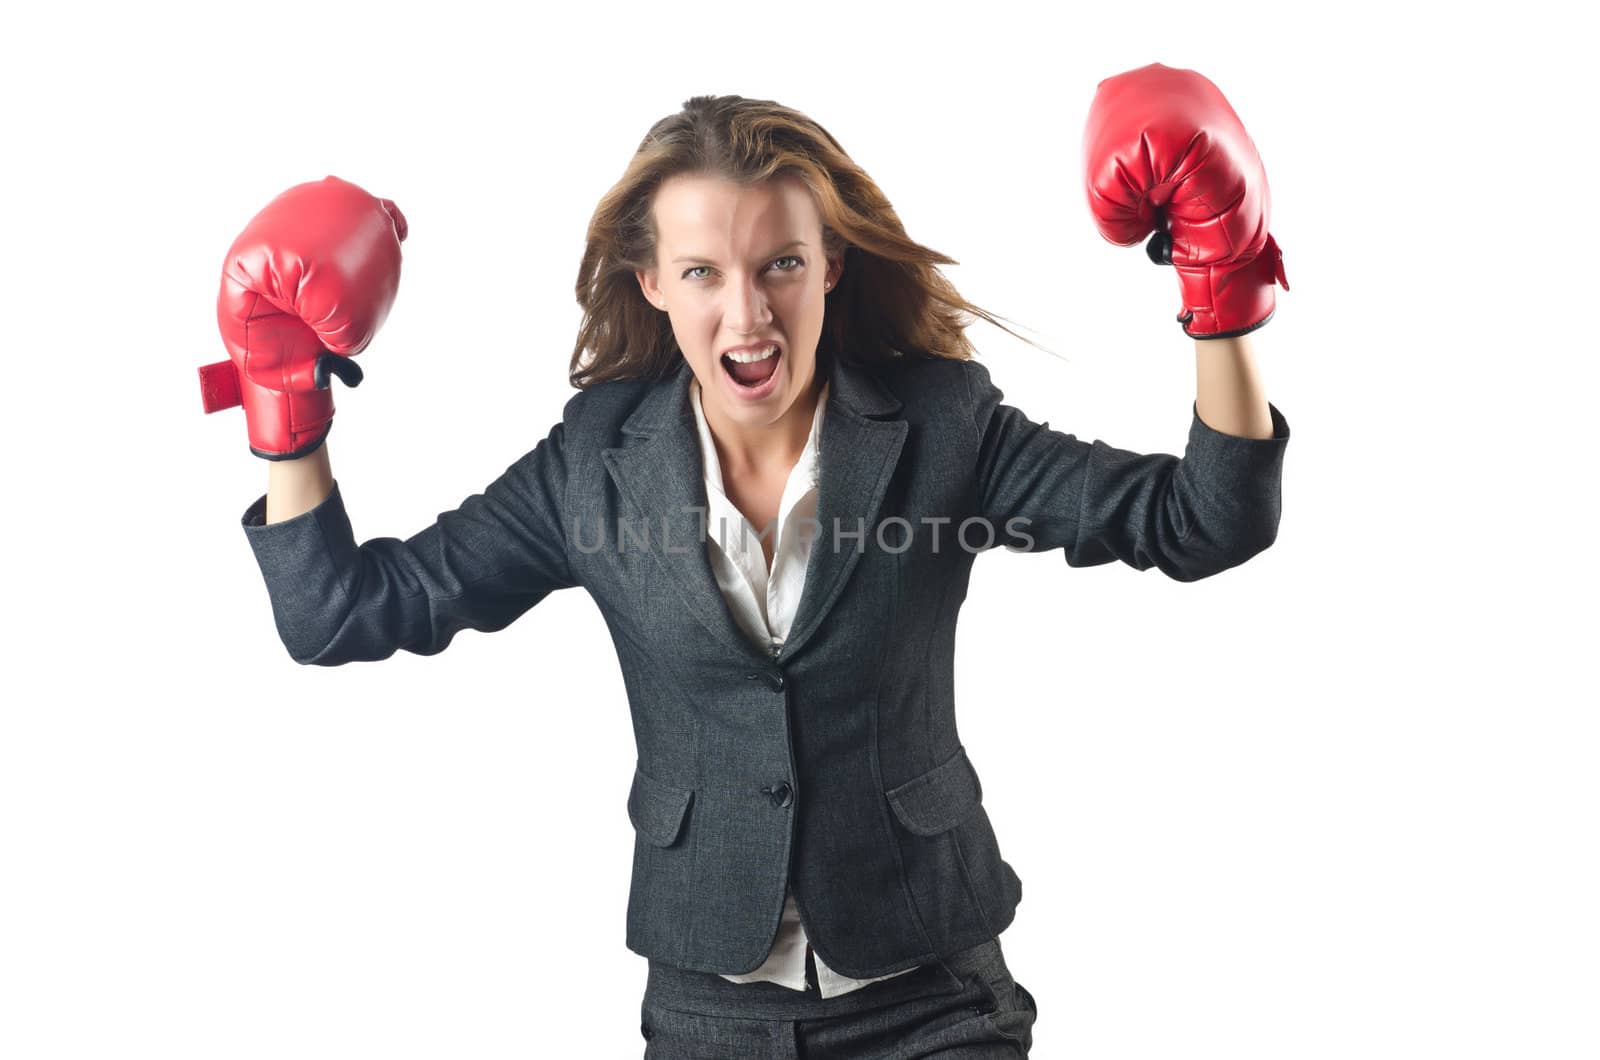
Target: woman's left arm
<point x="1228" y="393"/>
<point x="1192" y="517"/>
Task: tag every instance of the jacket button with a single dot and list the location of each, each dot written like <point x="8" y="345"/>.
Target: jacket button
<point x="781" y="793"/>
<point x="775" y="680"/>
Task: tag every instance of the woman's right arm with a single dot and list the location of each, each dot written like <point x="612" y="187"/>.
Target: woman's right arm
<point x="299" y="485"/>
<point x="479" y="566"/>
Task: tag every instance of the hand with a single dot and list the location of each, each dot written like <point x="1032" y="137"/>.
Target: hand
<point x="305" y="287"/>
<point x="1165" y="153"/>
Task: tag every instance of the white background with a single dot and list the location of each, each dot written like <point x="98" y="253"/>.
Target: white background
<point x="1338" y="802"/>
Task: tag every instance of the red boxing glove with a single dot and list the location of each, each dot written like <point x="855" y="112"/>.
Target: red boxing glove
<point x="305" y="287"/>
<point x="1165" y="153"/>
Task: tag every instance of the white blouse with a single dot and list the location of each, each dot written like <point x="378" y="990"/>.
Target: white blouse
<point x="764" y="604"/>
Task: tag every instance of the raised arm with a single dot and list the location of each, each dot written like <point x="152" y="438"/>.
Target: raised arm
<point x="296" y="486"/>
<point x="1191" y="517"/>
<point x="479" y="566"/>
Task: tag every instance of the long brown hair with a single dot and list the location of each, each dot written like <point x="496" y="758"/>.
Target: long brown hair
<point x="891" y="299"/>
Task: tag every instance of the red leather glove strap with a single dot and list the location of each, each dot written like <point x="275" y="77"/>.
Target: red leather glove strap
<point x="219" y="386"/>
<point x="1222" y="301"/>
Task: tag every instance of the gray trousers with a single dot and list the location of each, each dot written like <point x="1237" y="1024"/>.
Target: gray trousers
<point x="966" y="1007"/>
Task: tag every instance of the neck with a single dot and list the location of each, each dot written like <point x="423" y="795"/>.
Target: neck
<point x="775" y="447"/>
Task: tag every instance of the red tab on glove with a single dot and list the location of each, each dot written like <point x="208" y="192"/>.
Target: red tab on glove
<point x="219" y="386"/>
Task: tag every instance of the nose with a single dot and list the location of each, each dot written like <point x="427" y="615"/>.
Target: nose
<point x="746" y="310"/>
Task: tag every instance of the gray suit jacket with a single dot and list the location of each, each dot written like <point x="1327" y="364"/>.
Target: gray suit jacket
<point x="833" y="763"/>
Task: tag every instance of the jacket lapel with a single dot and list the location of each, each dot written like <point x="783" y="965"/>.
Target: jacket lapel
<point x="661" y="475"/>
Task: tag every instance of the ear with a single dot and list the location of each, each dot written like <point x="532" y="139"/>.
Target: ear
<point x="835" y="269"/>
<point x="647" y="284"/>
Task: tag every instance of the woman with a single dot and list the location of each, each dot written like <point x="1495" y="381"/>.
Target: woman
<point x="769" y="362"/>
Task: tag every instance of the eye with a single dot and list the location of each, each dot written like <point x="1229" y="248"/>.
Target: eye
<point x="787" y="257"/>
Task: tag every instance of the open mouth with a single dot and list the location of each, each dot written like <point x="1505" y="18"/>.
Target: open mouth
<point x="752" y="373"/>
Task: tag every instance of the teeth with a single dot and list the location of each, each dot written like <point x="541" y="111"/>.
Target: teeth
<point x="749" y="358"/>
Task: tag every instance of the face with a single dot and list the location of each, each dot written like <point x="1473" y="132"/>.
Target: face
<point x="742" y="268"/>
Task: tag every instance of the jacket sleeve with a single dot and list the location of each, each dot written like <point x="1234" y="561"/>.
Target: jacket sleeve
<point x="1192" y="517"/>
<point x="480" y="567"/>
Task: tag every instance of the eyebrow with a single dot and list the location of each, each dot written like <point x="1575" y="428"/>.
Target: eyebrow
<point x="707" y="261"/>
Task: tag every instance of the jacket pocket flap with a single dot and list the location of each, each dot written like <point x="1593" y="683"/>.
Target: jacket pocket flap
<point x="657" y="810"/>
<point x="939" y="799"/>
